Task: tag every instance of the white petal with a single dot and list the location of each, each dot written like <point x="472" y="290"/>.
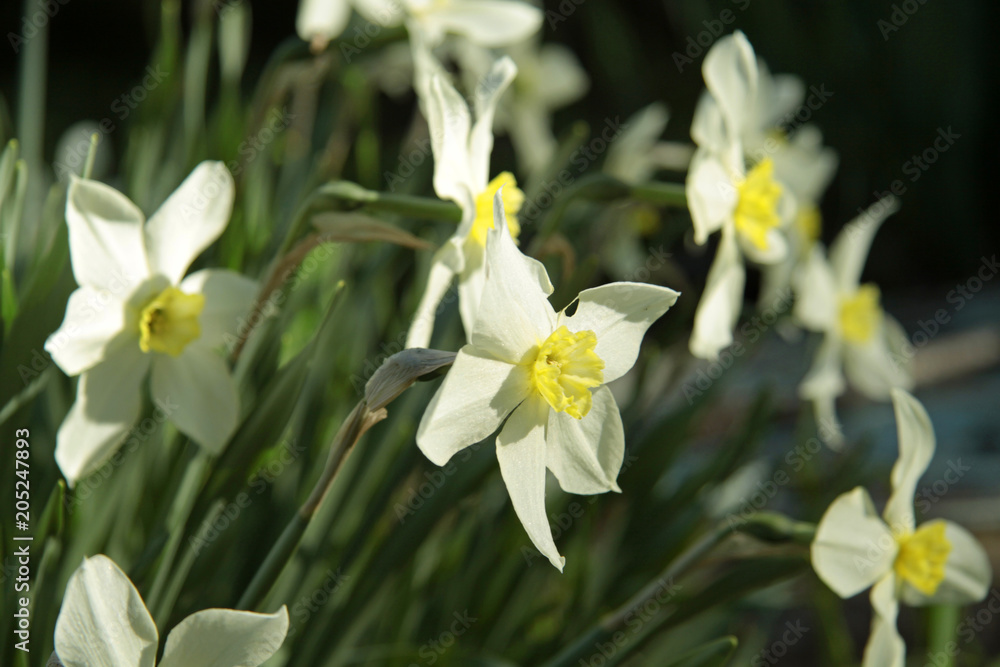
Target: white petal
<point x="449" y="123"/>
<point x="563" y="79"/>
<point x="816" y="292"/>
<point x="471" y="281"/>
<point x="199" y="384"/>
<point x="225" y="638"/>
<point x="721" y="302"/>
<point x="853" y="547"/>
<point x="103" y="621"/>
<point x="730" y="71"/>
<point x="521" y="453"/>
<point x="586" y="454"/>
<point x="916" y="449"/>
<point x="967" y="572"/>
<point x="322" y="20"/>
<point x="619" y="314"/>
<point x="825" y="414"/>
<point x="885" y="647"/>
<point x="874" y="369"/>
<point x="106" y="244"/>
<point x="383" y="12"/>
<point x="490" y="89"/>
<point x="708" y="127"/>
<point x="775" y="247"/>
<point x="628" y="156"/>
<point x="228" y="297"/>
<point x="850" y="249"/>
<point x="190" y="220"/>
<point x="530" y="130"/>
<point x="711" y="194"/>
<point x="824" y="377"/>
<point x="475" y="397"/>
<point x="514" y="311"/>
<point x="108" y="401"/>
<point x="443" y="268"/>
<point x="485" y="22"/>
<point x="93" y="319"/>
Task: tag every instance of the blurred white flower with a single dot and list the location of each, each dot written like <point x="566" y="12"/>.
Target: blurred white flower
<point x="749" y="206"/>
<point x="542" y="375"/>
<point x="489" y="23"/>
<point x="859" y="339"/>
<point x="134" y="312"/>
<point x="938" y="562"/>
<point x="461" y="173"/>
<point x="103" y="622"/>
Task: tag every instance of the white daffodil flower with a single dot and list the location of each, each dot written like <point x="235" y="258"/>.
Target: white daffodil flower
<point x="461" y="173"/>
<point x="859" y="339"/>
<point x="489" y="23"/>
<point x="103" y="622"/>
<point x="135" y="313"/>
<point x="749" y="206"/>
<point x="542" y="375"/>
<point x="938" y="562"/>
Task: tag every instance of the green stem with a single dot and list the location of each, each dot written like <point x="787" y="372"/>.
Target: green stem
<point x="942" y="621"/>
<point x="661" y="194"/>
<point x="613" y="622"/>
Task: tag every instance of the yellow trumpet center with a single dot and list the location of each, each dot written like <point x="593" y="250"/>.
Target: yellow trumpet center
<point x="170" y="321"/>
<point x="860" y="315"/>
<point x="512" y="198"/>
<point x="922" y="557"/>
<point x="757" y="208"/>
<point x="566" y="368"/>
<point x="809" y="224"/>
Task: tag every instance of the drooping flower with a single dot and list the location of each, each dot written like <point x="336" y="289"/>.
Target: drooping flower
<point x="135" y="312"/>
<point x="938" y="562"/>
<point x="103" y="622"/>
<point x="726" y="192"/>
<point x="859" y="338"/>
<point x="542" y="375"/>
<point x="489" y="23"/>
<point x="461" y="173"/>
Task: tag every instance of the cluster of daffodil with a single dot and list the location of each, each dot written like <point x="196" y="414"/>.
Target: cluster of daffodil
<point x="535" y="377"/>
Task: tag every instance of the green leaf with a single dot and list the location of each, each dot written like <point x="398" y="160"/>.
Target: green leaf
<point x="713" y="654"/>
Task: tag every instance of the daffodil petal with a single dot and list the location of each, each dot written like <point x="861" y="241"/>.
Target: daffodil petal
<point x="721" y="302"/>
<point x="103" y="621"/>
<point x="106" y="242"/>
<point x="475" y="397"/>
<point x="521" y="452"/>
<point x="383" y="12"/>
<point x="439" y="279"/>
<point x="225" y="638"/>
<point x="322" y="20"/>
<point x="730" y="71"/>
<point x="228" y="298"/>
<point x="190" y="220"/>
<point x="619" y="314"/>
<point x="564" y="79"/>
<point x="199" y="383"/>
<point x="449" y="123"/>
<point x="471" y="281"/>
<point x="629" y="155"/>
<point x="586" y="454"/>
<point x="849" y="250"/>
<point x="711" y="194"/>
<point x="816" y="292"/>
<point x="967" y="572"/>
<point x="94" y="318"/>
<point x="885" y="648"/>
<point x="488" y="93"/>
<point x="873" y="368"/>
<point x="775" y="247"/>
<point x="916" y="449"/>
<point x="514" y="311"/>
<point x="108" y="401"/>
<point x="489" y="23"/>
<point x="853" y="547"/>
<point x="825" y="378"/>
<point x="708" y="127"/>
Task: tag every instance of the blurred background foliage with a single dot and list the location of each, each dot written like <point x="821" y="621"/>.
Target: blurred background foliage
<point x="402" y="555"/>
